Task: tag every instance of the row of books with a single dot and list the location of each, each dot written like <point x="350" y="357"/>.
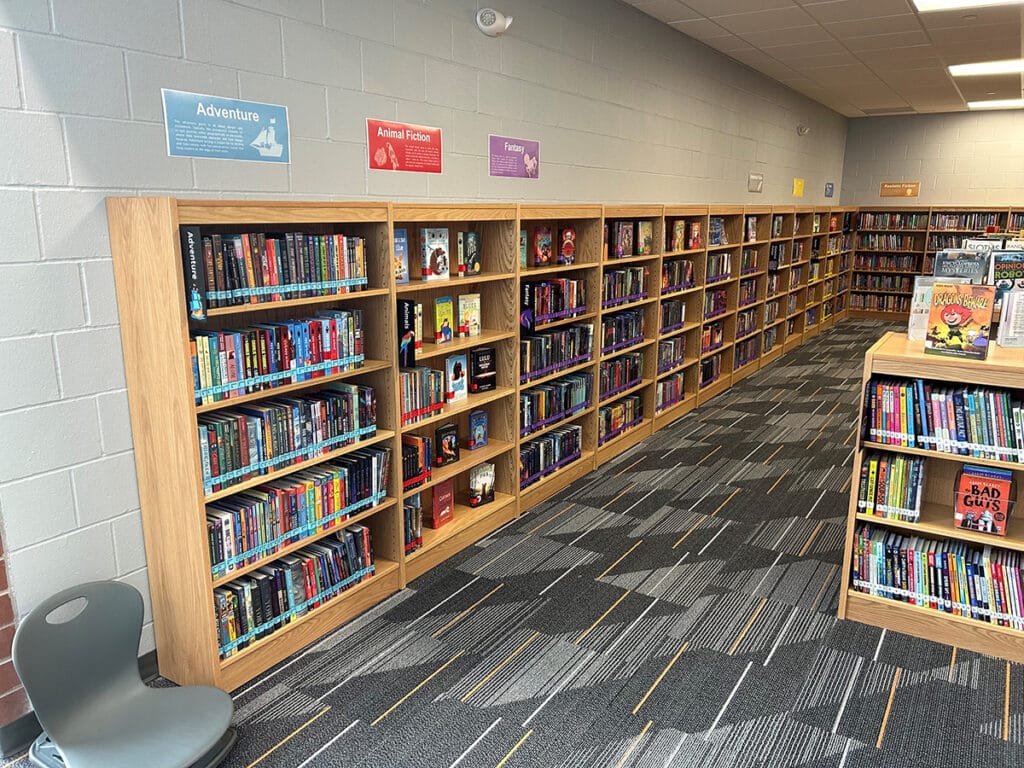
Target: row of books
<point x="975" y="221"/>
<point x="769" y="339"/>
<point x="717" y="234"/>
<point x="941" y="242"/>
<point x="260" y="521"/>
<point x="417" y="460"/>
<point x="412" y="523"/>
<point x="773" y="284"/>
<point x="224" y="270"/>
<point x="772" y="311"/>
<point x="621" y="373"/>
<point x="247" y="441"/>
<point x="748" y="261"/>
<point x="630" y="238"/>
<point x="747" y="351"/>
<point x="671" y="353"/>
<point x="883" y="282"/>
<point x="620" y="286"/>
<point x="873" y="262"/>
<point x="716" y="302"/>
<point x="890" y="486"/>
<point x="552" y="451"/>
<point x="252" y="607"/>
<point x="719" y="267"/>
<point x="712" y="337"/>
<point x="777" y="255"/>
<point x="677" y="275"/>
<point x="545" y="251"/>
<point x="880" y="303"/>
<point x="232" y="363"/>
<point x="684" y="235"/>
<point x="422" y="392"/>
<point x="778" y="224"/>
<point x="436" y="257"/>
<point x="748" y="291"/>
<point x="710" y="370"/>
<point x="893" y="221"/>
<point x="548" y="403"/>
<point x="980" y="421"/>
<point x="545" y="353"/>
<point x="746" y="323"/>
<point x="669" y="391"/>
<point x="453" y="318"/>
<point x="619" y="417"/>
<point x="622" y="329"/>
<point x="981" y="583"/>
<point x="549" y="300"/>
<point x="673" y="315"/>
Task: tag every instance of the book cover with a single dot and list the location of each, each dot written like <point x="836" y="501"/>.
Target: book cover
<point x="477" y="430"/>
<point x="522" y="248"/>
<point x="1011" y="318"/>
<point x="694" y="240"/>
<point x="418" y="311"/>
<point x="567" y="245"/>
<point x="959" y="321"/>
<point x="446" y="438"/>
<point x="401" y="263"/>
<point x="470" y="265"/>
<point x="481" y="484"/>
<point x="623" y="235"/>
<point x="542" y="246"/>
<point x="984" y="499"/>
<point x="434" y="254"/>
<point x="459" y="265"/>
<point x="194" y="269"/>
<point x="469" y="315"/>
<point x="444" y="319"/>
<point x="456" y="384"/>
<point x="443" y="507"/>
<point x="483" y="374"/>
<point x="406" y="333"/>
<point x="921" y="304"/>
<point x="678" y="241"/>
<point x="962" y="263"/>
<point x="751" y="228"/>
<point x="644" y="238"/>
<point x="1007" y="272"/>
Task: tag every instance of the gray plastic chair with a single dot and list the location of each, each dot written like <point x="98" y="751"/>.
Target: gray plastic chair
<point x="82" y="678"/>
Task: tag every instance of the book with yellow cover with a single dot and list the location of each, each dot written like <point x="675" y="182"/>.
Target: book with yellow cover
<point x="960" y="320"/>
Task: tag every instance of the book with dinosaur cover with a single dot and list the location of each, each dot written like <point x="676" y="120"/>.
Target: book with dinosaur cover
<point x="960" y="320"/>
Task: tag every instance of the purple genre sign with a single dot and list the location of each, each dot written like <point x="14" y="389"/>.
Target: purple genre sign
<point x="515" y="158"/>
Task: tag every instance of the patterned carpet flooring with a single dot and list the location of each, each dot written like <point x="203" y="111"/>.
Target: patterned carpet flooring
<point x="675" y="608"/>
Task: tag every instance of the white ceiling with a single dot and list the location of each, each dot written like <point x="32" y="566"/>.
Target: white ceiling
<point x="859" y="57"/>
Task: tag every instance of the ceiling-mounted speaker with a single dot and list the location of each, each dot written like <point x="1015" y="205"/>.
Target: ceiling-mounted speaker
<point x="491" y="22"/>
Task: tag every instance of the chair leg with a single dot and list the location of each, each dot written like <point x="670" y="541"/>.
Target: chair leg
<point x="44" y="752"/>
<point x="216" y="754"/>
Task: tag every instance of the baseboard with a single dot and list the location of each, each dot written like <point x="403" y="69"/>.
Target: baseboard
<point x="16" y="737"/>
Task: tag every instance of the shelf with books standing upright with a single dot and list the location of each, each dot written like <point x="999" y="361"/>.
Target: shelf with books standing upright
<point x="797" y="297"/>
<point x="846" y="220"/>
<point x="560" y="299"/>
<point x="1015" y="220"/>
<point x="890" y="243"/>
<point x="630" y="285"/>
<point x="908" y="565"/>
<point x="721" y="300"/>
<point x="683" y="268"/>
<point x="816" y="270"/>
<point x="949" y="227"/>
<point x="297" y="323"/>
<point x="751" y="290"/>
<point x="462" y="293"/>
<point x="780" y="257"/>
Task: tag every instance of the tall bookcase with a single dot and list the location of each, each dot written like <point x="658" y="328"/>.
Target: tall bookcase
<point x="671" y="296"/>
<point x="893" y="355"/>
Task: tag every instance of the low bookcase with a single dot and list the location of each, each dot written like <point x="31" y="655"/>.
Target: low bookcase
<point x="894" y="356"/>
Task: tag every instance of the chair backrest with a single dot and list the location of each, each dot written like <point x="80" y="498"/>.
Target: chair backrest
<point x="64" y="664"/>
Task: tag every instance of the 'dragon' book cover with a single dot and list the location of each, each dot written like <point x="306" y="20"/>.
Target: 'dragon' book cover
<point x="960" y="320"/>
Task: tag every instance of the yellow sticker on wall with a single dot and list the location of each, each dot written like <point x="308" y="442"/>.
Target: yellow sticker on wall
<point x="798" y="187"/>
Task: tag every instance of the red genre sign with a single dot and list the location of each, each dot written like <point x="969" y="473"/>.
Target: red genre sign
<point x="403" y="147"/>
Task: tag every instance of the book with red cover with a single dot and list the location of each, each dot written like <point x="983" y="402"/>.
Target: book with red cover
<point x="984" y="499"/>
<point x="443" y="509"/>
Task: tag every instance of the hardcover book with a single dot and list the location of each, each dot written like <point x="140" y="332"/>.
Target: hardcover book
<point x="984" y="499"/>
<point x="401" y="255"/>
<point x="481" y="484"/>
<point x="443" y="507"/>
<point x="623" y="239"/>
<point x="542" y="246"/>
<point x="456" y="378"/>
<point x="446" y="438"/>
<point x="644" y="238"/>
<point x="678" y="241"/>
<point x="1007" y="272"/>
<point x="566" y="245"/>
<point x="195" y="272"/>
<point x="483" y="375"/>
<point x="962" y="263"/>
<point x="694" y="241"/>
<point x="434" y="253"/>
<point x="406" y="333"/>
<point x="470" y="264"/>
<point x="469" y="315"/>
<point x="444" y="319"/>
<point x="419" y="325"/>
<point x="960" y="319"/>
<point x="921" y="305"/>
<point x="477" y="430"/>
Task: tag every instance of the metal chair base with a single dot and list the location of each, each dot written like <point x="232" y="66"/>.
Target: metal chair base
<point x="45" y="754"/>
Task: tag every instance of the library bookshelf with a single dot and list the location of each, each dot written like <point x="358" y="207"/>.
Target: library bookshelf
<point x="895" y="356"/>
<point x="667" y="380"/>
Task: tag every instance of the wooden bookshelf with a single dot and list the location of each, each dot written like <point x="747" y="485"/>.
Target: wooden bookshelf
<point x="894" y="355"/>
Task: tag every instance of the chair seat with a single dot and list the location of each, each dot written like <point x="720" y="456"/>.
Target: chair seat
<point x="156" y="728"/>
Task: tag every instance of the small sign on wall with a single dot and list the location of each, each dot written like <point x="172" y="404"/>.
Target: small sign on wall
<point x="830" y="189"/>
<point x="200" y="125"/>
<point x="513" y="158"/>
<point x="899" y="189"/>
<point x="798" y="187"/>
<point x="755" y="182"/>
<point x="402" y="147"/>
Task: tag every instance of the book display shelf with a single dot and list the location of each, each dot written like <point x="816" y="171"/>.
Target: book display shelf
<point x="970" y="597"/>
<point x="269" y="434"/>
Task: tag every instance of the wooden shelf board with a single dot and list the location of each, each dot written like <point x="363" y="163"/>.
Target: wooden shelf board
<point x="564" y="321"/>
<point x="895" y="354"/>
<point x="619" y="395"/>
<point x="559" y="212"/>
<point x="685" y="252"/>
<point x="487" y="336"/>
<point x="528" y="273"/>
<point x="382" y="435"/>
<point x="339" y="526"/>
<point x="454" y="409"/>
<point x="687" y="362"/>
<point x="369" y="366"/>
<point x="746" y="369"/>
<point x="236" y="212"/>
<point x="962" y="632"/>
<point x="610" y="262"/>
<point x="557" y="374"/>
<point x="1011" y="465"/>
<point x="687" y="327"/>
<point x="675" y="411"/>
<point x="310" y="301"/>
<point x="560" y="423"/>
<point x="716" y="318"/>
<point x="776" y="352"/>
<point x="631" y="304"/>
<point x="558" y="480"/>
<point x="718" y="350"/>
<point x="937" y="522"/>
<point x="633" y="348"/>
<point x="684" y="292"/>
<point x="712" y="390"/>
<point x="624" y="441"/>
<point x="469" y="283"/>
<point x="427" y="213"/>
<point x="467" y="460"/>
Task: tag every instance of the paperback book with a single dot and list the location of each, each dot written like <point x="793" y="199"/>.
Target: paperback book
<point x="522" y="248"/>
<point x="406" y="333"/>
<point x="567" y="245"/>
<point x="483" y="374"/>
<point x="542" y="246"/>
<point x="962" y="263"/>
<point x="1011" y="319"/>
<point x="644" y="238"/>
<point x="446" y="438"/>
<point x="1007" y="272"/>
<point x="444" y="319"/>
<point x="469" y="254"/>
<point x="481" y="484"/>
<point x="960" y="319"/>
<point x="401" y="255"/>
<point x="456" y="385"/>
<point x="469" y="315"/>
<point x="477" y="430"/>
<point x="443" y="508"/>
<point x="921" y="304"/>
<point x="984" y="499"/>
<point x="435" y="253"/>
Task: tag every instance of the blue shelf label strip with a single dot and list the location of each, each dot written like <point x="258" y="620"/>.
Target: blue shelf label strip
<point x="267" y="290"/>
<point x="356" y="361"/>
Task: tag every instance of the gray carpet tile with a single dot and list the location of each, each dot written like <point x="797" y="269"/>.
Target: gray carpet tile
<point x="676" y="608"/>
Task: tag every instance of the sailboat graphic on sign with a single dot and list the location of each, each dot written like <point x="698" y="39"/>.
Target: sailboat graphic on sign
<point x="266" y="142"/>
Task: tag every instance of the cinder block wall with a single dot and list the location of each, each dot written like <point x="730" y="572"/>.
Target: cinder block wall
<point x="626" y="110"/>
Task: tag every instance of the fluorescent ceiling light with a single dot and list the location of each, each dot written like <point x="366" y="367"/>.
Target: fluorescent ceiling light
<point x="1007" y="67"/>
<point x="996" y="104"/>
<point x="924" y="6"/>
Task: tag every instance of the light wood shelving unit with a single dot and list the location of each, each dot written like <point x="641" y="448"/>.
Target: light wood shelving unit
<point x="893" y="355"/>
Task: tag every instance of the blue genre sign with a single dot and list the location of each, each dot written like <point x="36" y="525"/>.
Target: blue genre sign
<point x="210" y="126"/>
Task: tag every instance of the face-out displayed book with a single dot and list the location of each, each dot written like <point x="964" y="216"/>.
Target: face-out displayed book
<point x="961" y="262"/>
<point x="984" y="499"/>
<point x="960" y="320"/>
<point x="1007" y="271"/>
<point x="1011" y="318"/>
<point x="921" y="304"/>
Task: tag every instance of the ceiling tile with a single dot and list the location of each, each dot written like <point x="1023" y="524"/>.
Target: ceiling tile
<point x="667" y="10"/>
<point x="982" y="88"/>
<point x="721" y="7"/>
<point x="775" y="37"/>
<point x="879" y="25"/>
<point x="781" y="18"/>
<point x="702" y="29"/>
<point x="848" y="10"/>
<point x="885" y="42"/>
<point x="960" y="20"/>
